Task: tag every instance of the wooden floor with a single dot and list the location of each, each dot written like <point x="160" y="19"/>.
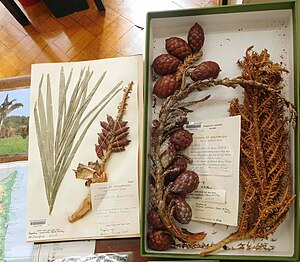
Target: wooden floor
<point x="85" y="35"/>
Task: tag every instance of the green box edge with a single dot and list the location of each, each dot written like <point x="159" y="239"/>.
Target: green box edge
<point x="290" y="4"/>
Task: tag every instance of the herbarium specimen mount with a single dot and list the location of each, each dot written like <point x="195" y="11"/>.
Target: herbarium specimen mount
<point x="112" y="138"/>
<point x="264" y="166"/>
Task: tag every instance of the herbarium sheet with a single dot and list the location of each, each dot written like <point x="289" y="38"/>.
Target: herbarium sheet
<point x="84" y="131"/>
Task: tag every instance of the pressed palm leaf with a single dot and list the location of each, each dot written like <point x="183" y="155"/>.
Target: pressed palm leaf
<point x="57" y="148"/>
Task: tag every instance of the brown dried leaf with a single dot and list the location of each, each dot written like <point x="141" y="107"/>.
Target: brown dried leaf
<point x="264" y="167"/>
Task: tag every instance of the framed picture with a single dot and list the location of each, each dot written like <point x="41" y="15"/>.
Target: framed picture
<point x="14" y="119"/>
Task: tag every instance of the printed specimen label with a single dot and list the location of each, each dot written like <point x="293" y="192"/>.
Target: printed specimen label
<point x="215" y="153"/>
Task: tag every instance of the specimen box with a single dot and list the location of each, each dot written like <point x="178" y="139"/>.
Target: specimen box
<point x="229" y="31"/>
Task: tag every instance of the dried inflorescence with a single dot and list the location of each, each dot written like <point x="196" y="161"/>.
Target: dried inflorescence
<point x="111" y="130"/>
<point x="112" y="138"/>
<point x="172" y="182"/>
<point x="264" y="167"/>
<point x="181" y="55"/>
<point x="260" y="68"/>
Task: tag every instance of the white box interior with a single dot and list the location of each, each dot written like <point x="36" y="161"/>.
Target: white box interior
<point x="227" y="36"/>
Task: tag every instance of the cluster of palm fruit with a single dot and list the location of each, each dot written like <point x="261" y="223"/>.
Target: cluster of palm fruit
<point x="178" y="49"/>
<point x="180" y="181"/>
<point x="177" y="180"/>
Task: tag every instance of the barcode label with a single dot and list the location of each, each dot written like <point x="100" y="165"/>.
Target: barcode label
<point x="193" y="126"/>
<point x="39" y="222"/>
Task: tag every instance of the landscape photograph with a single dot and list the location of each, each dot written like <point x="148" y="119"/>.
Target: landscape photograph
<point x="14" y="121"/>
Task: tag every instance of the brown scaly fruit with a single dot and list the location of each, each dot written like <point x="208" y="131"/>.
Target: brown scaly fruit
<point x="182" y="211"/>
<point x="159" y="240"/>
<point x="165" y="64"/>
<point x="181" y="139"/>
<point x="178" y="47"/>
<point x="185" y="183"/>
<point x="207" y="69"/>
<point x="196" y="37"/>
<point x="154" y="219"/>
<point x="173" y="196"/>
<point x="166" y="86"/>
<point x="167" y="153"/>
<point x="179" y="162"/>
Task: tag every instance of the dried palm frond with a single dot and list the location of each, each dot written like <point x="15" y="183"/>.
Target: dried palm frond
<point x="264" y="167"/>
<point x="58" y="148"/>
<point x="113" y="138"/>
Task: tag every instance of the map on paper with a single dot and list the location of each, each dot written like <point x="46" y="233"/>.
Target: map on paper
<point x="13" y="185"/>
<point x="13" y="202"/>
<point x="6" y="186"/>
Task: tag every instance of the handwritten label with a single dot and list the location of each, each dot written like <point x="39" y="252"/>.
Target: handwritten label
<point x="209" y="195"/>
<point x="202" y="208"/>
<point x="116" y="208"/>
<point x="45" y="233"/>
<point x="209" y="158"/>
<point x="215" y="152"/>
<point x="111" y="196"/>
<point x="115" y="229"/>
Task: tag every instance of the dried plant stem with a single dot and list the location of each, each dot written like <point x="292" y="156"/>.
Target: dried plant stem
<point x="83" y="210"/>
<point x="98" y="173"/>
<point x="235" y="82"/>
<point x="170" y="105"/>
<point x="231" y="238"/>
<point x="181" y="70"/>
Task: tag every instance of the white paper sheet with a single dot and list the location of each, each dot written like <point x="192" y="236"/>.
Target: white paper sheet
<point x="50" y="252"/>
<point x="215" y="152"/>
<point x="116" y="207"/>
<point x="121" y="166"/>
